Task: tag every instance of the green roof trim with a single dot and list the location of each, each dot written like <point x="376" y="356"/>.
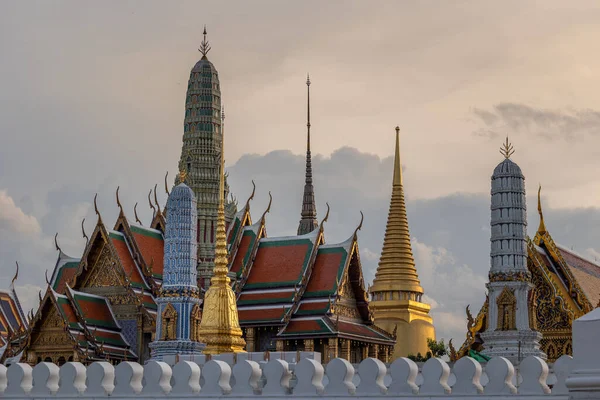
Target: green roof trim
<point x="289" y="242"/>
<point x="267" y="301"/>
<point x="330" y="250"/>
<point x="117" y="236"/>
<point x="235" y="229"/>
<point x="248" y="251"/>
<point x="146" y="232"/>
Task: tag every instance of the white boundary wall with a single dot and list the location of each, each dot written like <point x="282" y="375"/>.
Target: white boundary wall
<point x="573" y="378"/>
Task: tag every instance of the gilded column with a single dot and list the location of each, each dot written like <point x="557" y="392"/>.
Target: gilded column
<point x="280" y="345"/>
<point x="345" y="349"/>
<point x="250" y="338"/>
<point x="373" y="350"/>
<point x="364" y="352"/>
<point x="309" y="345"/>
<point x="333" y="349"/>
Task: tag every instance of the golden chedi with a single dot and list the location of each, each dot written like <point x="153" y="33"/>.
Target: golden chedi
<point x="396" y="293"/>
<point x="220" y="328"/>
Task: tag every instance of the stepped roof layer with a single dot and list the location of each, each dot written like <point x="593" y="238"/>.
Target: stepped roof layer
<point x="300" y="284"/>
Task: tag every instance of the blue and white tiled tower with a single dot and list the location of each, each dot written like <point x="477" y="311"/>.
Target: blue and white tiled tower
<point x="509" y="330"/>
<point x="178" y="316"/>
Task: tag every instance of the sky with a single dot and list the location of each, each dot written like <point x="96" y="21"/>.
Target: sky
<point x="92" y="97"/>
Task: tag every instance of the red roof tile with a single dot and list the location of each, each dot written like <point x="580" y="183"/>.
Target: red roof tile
<point x="151" y="245"/>
<point x="265" y="298"/>
<point x="359" y="330"/>
<point x="124" y="254"/>
<point x="279" y="263"/>
<point x="95" y="310"/>
<point x="255" y="316"/>
<point x="328" y="268"/>
<point x="306" y="326"/>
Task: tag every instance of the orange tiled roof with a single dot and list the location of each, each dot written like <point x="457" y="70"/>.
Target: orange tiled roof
<point x="151" y="245"/>
<point x="328" y="269"/>
<point x="585" y="272"/>
<point x="129" y="266"/>
<point x="265" y="298"/>
<point x="250" y="316"/>
<point x="359" y="330"/>
<point x="279" y="262"/>
<point x="307" y="327"/>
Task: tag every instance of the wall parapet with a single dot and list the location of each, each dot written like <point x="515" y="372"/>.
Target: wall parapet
<point x="277" y="377"/>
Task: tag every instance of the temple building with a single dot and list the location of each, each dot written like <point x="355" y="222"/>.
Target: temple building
<point x="178" y="300"/>
<point x="122" y="297"/>
<point x="535" y="284"/>
<point x="13" y="322"/>
<point x="397" y="296"/>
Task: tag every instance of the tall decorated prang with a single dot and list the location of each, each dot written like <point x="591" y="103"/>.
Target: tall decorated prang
<point x="509" y="332"/>
<point x="202" y="137"/>
<point x="179" y="314"/>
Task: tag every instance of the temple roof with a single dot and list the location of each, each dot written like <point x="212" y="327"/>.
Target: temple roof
<point x="64" y="271"/>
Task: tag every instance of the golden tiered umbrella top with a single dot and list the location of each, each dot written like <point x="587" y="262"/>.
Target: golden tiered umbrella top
<point x="220" y="326"/>
<point x="396" y="270"/>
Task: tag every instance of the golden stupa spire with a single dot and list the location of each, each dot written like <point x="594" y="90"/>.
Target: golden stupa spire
<point x="220" y="327"/>
<point x="396" y="270"/>
<point x="542" y="227"/>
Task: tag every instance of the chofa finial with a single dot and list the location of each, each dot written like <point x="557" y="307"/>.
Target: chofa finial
<point x="507" y="149"/>
<point x="137" y="219"/>
<point x="87" y="239"/>
<point x="204" y="46"/>
<point x="167" y="186"/>
<point x="119" y="201"/>
<point x="56" y="243"/>
<point x="542" y="227"/>
<point x="14" y="279"/>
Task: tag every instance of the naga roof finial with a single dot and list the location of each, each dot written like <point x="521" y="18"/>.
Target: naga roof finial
<point x="135" y="214"/>
<point x="151" y="205"/>
<point x="359" y="227"/>
<point x="119" y="202"/>
<point x="507" y="149"/>
<point x="269" y="206"/>
<point x="167" y="186"/>
<point x="156" y="199"/>
<point x="326" y="214"/>
<point x="204" y="46"/>
<point x="87" y="239"/>
<point x="14" y="279"/>
<point x="47" y="280"/>
<point x="56" y="243"/>
<point x="96" y="207"/>
<point x="542" y="227"/>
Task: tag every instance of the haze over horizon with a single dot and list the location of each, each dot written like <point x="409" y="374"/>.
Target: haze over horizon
<point x="93" y="98"/>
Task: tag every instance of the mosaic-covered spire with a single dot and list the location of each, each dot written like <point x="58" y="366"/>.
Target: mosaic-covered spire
<point x="200" y="153"/>
<point x="179" y="314"/>
<point x="308" y="220"/>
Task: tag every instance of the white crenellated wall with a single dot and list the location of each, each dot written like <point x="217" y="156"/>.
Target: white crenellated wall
<point x="241" y="377"/>
<point x="277" y="378"/>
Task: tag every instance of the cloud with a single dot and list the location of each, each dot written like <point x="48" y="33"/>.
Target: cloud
<point x="14" y="220"/>
<point x="546" y="123"/>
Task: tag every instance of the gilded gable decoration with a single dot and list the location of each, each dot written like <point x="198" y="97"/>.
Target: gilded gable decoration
<point x="507" y="310"/>
<point x="169" y="323"/>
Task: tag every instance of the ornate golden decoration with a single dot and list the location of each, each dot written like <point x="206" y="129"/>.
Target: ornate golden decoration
<point x="195" y="319"/>
<point x="507" y="149"/>
<point x="343" y="310"/>
<point x="396" y="270"/>
<point x="514" y="276"/>
<point x="169" y="323"/>
<point x="220" y="327"/>
<point x="507" y="310"/>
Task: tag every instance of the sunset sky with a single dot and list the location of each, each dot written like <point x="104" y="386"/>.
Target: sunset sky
<point x="92" y="97"/>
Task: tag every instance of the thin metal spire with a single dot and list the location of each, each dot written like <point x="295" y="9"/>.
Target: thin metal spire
<point x="308" y="220"/>
<point x="204" y="46"/>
